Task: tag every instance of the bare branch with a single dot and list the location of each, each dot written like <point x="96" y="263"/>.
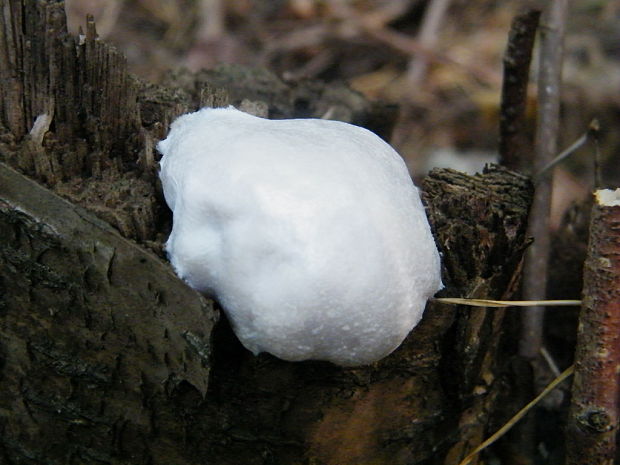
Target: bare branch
<point x="513" y="145"/>
<point x="535" y="270"/>
<point x="593" y="129"/>
<point x="433" y="16"/>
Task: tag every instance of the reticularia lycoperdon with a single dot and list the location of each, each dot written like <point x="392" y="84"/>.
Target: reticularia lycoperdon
<point x="309" y="232"/>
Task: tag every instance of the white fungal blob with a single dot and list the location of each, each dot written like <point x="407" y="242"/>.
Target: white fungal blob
<point x="309" y="232"/>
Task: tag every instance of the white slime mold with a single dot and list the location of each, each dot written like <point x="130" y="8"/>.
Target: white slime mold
<point x="309" y="232"/>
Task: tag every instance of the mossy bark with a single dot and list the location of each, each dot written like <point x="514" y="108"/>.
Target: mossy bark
<point x="106" y="357"/>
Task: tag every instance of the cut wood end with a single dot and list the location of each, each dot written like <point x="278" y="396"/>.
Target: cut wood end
<point x="608" y="197"/>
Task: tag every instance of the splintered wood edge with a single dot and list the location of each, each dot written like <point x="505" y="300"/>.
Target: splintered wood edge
<point x="607" y="197"/>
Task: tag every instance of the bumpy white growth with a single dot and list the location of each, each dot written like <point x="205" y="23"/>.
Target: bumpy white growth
<point x="310" y="233"/>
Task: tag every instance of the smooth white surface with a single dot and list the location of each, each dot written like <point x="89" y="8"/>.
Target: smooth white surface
<point x="309" y="232"/>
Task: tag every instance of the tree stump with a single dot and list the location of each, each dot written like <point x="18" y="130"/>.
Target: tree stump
<point x="106" y="357"/>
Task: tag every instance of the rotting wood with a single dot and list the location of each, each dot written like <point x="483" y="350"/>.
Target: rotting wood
<point x="428" y="401"/>
<point x="595" y="406"/>
<point x="98" y="147"/>
<point x="465" y="213"/>
<point x="93" y="328"/>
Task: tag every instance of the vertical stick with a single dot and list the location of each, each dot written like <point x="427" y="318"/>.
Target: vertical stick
<point x="593" y="418"/>
<point x="553" y="25"/>
<point x="513" y="143"/>
<point x="433" y="16"/>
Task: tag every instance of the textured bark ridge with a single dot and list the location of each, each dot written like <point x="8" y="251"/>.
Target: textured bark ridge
<point x="478" y="222"/>
<point x="592" y="428"/>
<point x="106" y="357"/>
<point x="99" y="339"/>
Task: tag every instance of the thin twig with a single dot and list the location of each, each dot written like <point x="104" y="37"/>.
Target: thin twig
<point x="211" y="17"/>
<point x="536" y="265"/>
<point x="433" y="16"/>
<point x="598" y="177"/>
<point x="550" y="362"/>
<point x="408" y="45"/>
<point x="520" y="414"/>
<point x="593" y="128"/>
<point x="506" y="303"/>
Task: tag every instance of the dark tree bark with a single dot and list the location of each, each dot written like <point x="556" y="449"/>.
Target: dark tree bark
<point x="514" y="146"/>
<point x="98" y="337"/>
<point x="106" y="357"/>
<point x="593" y="419"/>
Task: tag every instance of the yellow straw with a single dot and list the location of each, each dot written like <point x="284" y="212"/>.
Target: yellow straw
<point x="520" y="414"/>
<point x="506" y="303"/>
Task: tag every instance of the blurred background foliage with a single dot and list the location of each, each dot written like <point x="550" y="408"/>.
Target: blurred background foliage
<point x="440" y="60"/>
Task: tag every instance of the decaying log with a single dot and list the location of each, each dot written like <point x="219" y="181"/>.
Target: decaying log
<point x="106" y="357"/>
<point x="109" y="349"/>
<point x="73" y="118"/>
<point x="595" y="406"/>
<point x="95" y="332"/>
<point x="478" y="225"/>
